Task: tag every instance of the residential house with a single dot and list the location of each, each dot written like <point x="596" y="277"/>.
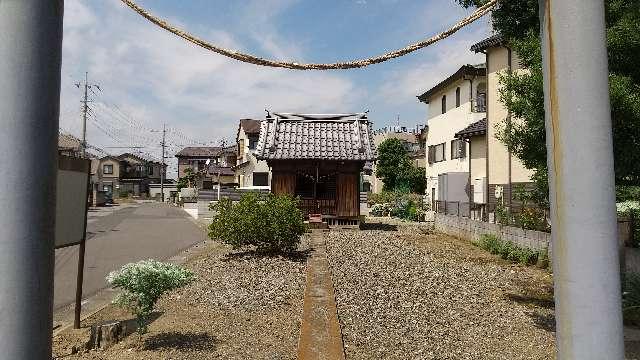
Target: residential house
<point x="318" y="158"/>
<point x="453" y="105"/>
<point x="251" y="173"/>
<point x="504" y="171"/>
<point x="414" y="142"/>
<point x="212" y="164"/>
<point x="125" y="174"/>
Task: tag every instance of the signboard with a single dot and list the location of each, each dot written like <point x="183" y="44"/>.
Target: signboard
<point x="71" y="200"/>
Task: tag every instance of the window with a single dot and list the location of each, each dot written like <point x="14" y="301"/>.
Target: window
<point x="436" y="153"/>
<point x="253" y="140"/>
<point x="444" y="104"/>
<point x="260" y="179"/>
<point x="458" y="149"/>
<point x="440" y="152"/>
<point x="458" y="97"/>
<point x="107" y="169"/>
<point x="150" y="170"/>
<point x="241" y="147"/>
<point x="481" y="98"/>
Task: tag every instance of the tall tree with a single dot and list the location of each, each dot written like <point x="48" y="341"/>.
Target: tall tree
<point x="396" y="170"/>
<point x="522" y="92"/>
<point x="392" y="157"/>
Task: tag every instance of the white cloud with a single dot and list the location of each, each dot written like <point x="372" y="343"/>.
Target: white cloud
<point x="448" y="57"/>
<point x="157" y="77"/>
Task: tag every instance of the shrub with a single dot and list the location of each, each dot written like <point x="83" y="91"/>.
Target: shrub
<point x="380" y="209"/>
<point x="627" y="193"/>
<point x="631" y="208"/>
<point x="510" y="251"/>
<point x="271" y="223"/>
<point x="143" y="283"/>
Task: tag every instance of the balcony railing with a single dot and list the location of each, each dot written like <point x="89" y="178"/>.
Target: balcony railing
<point x="480" y="103"/>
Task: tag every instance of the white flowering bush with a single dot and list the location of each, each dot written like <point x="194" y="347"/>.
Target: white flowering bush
<point x="143" y="283"/>
<point x="628" y="206"/>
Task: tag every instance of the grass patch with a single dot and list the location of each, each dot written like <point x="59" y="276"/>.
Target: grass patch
<point x="512" y="252"/>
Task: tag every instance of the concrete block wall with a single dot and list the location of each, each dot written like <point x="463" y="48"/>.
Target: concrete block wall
<point x="471" y="230"/>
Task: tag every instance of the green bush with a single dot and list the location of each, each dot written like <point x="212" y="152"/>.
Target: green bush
<point x="271" y="223"/>
<point x="143" y="283"/>
<point x="510" y="251"/>
<point x="627" y="193"/>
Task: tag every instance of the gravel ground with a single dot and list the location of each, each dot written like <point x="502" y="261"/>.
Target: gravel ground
<point x="409" y="295"/>
<point x="240" y="307"/>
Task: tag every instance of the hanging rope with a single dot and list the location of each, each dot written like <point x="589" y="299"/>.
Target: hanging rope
<point x="251" y="59"/>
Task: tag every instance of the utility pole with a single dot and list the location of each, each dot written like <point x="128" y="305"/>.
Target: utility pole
<point x="30" y="49"/>
<point x="586" y="268"/>
<point x="164" y="132"/>
<point x="85" y="108"/>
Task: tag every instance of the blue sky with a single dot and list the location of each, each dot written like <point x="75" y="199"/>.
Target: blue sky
<point x="149" y="77"/>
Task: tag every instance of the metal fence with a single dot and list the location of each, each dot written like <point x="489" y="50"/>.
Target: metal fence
<point x="531" y="217"/>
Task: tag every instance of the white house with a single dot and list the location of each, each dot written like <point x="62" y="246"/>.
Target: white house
<point x="251" y="173"/>
<point x="453" y="106"/>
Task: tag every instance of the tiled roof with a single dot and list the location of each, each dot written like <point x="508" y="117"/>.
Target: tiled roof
<point x="200" y="151"/>
<point x="465" y="70"/>
<point x="475" y="129"/>
<point x="495" y="40"/>
<point x="69" y="142"/>
<point x="316" y="136"/>
<point x="250" y="126"/>
<point x="224" y="170"/>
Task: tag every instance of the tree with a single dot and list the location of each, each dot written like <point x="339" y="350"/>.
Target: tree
<point x="396" y="170"/>
<point x="392" y="157"/>
<point x="188" y="180"/>
<point x="522" y="92"/>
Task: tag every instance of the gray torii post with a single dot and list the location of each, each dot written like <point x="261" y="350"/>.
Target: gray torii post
<point x="580" y="158"/>
<point x="30" y="58"/>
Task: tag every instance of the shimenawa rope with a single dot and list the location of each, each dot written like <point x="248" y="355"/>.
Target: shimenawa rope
<point x="251" y="59"/>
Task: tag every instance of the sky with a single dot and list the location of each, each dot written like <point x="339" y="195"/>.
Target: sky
<point x="148" y="77"/>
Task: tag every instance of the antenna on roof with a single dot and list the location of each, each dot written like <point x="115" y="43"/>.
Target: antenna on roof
<point x="268" y="113"/>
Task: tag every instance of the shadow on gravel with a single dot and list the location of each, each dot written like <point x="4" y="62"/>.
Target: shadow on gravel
<point x="297" y="256"/>
<point x="545" y="322"/>
<point x="180" y="341"/>
<point x="539" y="301"/>
<point x="378" y="226"/>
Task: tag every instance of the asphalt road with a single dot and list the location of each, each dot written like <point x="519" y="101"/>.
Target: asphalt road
<point x="120" y="235"/>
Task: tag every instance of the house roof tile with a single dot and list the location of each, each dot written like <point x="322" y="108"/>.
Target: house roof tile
<point x="465" y="70"/>
<point x="495" y="40"/>
<point x="475" y="129"/>
<point x="316" y="136"/>
<point x="204" y="151"/>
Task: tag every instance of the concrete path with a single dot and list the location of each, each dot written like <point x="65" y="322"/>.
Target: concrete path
<point x="118" y="236"/>
<point x="320" y="336"/>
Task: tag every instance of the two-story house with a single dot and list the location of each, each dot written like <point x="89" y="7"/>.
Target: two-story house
<point x="125" y="174"/>
<point x="454" y="105"/>
<point x="212" y="164"/>
<point x="251" y="173"/>
<point x="504" y="171"/>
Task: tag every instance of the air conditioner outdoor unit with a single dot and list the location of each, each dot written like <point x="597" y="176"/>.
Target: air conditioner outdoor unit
<point x="480" y="190"/>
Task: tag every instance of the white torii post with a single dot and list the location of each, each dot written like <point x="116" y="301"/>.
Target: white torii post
<point x="30" y="58"/>
<point x="581" y="179"/>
